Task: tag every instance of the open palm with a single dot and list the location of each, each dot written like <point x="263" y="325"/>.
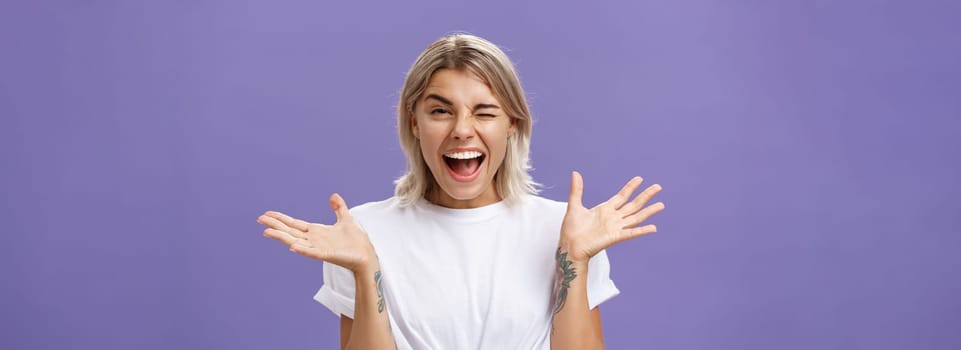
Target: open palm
<point x="344" y="243"/>
<point x="585" y="232"/>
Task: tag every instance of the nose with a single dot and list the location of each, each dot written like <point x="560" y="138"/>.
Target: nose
<point x="463" y="128"/>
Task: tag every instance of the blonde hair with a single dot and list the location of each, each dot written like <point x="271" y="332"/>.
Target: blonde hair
<point x="485" y="60"/>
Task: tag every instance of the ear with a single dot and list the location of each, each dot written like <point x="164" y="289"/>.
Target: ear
<point x="512" y="129"/>
<point x="413" y="126"/>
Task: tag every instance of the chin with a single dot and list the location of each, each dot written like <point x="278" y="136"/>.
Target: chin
<point x="460" y="191"/>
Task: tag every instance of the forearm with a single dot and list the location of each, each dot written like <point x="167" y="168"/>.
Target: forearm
<point x="573" y="327"/>
<point x="371" y="327"/>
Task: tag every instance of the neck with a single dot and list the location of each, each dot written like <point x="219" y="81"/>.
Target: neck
<point x="438" y="197"/>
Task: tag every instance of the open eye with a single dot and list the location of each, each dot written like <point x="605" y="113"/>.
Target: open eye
<point x="439" y="111"/>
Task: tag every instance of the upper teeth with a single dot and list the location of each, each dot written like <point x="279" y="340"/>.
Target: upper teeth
<point x="463" y="155"/>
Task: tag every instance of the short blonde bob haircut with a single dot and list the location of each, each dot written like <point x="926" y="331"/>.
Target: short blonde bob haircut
<point x="485" y="60"/>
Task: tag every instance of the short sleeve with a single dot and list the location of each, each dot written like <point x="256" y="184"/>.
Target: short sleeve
<point x="337" y="293"/>
<point x="600" y="287"/>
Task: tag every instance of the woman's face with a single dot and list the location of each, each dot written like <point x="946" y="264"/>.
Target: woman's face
<point x="463" y="134"/>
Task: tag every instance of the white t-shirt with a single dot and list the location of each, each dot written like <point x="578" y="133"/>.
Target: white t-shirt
<point x="480" y="278"/>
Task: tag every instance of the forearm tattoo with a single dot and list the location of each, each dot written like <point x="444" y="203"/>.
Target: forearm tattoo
<point x="380" y="291"/>
<point x="567" y="274"/>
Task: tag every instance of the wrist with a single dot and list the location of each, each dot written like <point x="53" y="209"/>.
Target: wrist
<point x="367" y="266"/>
<point x="574" y="254"/>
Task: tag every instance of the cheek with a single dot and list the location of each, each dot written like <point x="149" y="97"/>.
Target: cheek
<point x="502" y="150"/>
<point x="498" y="146"/>
<point x="429" y="139"/>
<point x="429" y="145"/>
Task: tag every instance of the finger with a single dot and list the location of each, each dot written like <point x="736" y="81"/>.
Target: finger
<point x="284" y="237"/>
<point x="340" y="207"/>
<point x="625" y="193"/>
<point x="273" y="223"/>
<point x="289" y="221"/>
<point x="305" y="250"/>
<point x="635" y="232"/>
<point x="640" y="200"/>
<point x="577" y="190"/>
<point x="641" y="216"/>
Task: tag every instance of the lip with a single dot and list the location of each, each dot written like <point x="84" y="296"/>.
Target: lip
<point x="475" y="174"/>
<point x="464" y="149"/>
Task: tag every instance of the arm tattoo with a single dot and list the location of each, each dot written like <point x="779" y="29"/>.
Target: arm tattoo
<point x="567" y="274"/>
<point x="380" y="291"/>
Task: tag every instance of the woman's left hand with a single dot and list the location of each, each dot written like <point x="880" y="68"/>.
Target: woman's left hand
<point x="585" y="232"/>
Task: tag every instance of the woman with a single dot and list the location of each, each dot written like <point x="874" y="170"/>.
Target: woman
<point x="465" y="255"/>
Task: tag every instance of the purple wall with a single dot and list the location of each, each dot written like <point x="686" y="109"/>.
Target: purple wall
<point x="809" y="153"/>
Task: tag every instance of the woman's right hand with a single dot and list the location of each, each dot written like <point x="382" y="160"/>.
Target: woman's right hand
<point x="344" y="243"/>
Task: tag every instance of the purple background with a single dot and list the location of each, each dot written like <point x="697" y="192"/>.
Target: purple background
<point x="809" y="152"/>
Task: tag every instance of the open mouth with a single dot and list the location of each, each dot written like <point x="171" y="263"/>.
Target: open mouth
<point x="464" y="166"/>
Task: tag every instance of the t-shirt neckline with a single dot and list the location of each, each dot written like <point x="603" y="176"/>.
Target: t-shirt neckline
<point x="469" y="214"/>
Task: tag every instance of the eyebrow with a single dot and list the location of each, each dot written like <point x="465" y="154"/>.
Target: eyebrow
<point x="447" y="102"/>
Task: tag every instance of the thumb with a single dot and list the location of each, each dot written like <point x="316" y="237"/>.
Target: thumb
<point x="339" y="206"/>
<point x="577" y="190"/>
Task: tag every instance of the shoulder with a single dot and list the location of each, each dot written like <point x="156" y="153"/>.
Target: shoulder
<point x="375" y="208"/>
<point x="543" y="205"/>
<point x="540" y="211"/>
